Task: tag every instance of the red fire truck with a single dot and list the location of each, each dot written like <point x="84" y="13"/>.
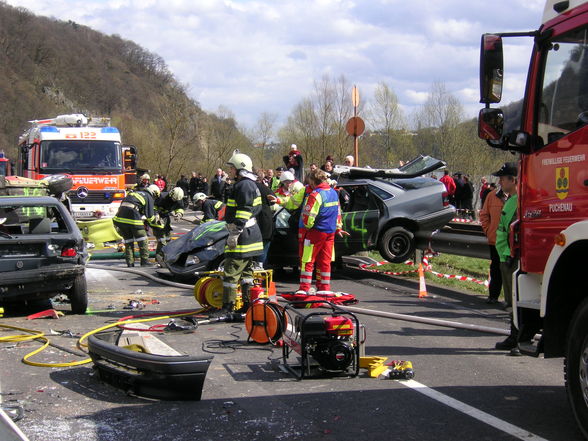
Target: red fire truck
<point x="550" y="236"/>
<point x="89" y="150"/>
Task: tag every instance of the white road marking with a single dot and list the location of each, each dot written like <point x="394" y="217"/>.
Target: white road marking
<point x="185" y="229"/>
<point x="484" y="417"/>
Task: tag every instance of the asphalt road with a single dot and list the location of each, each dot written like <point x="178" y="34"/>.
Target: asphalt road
<point x="463" y="389"/>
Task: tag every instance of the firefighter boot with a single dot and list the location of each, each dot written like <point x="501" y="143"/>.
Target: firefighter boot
<point x="245" y="288"/>
<point x="225" y="311"/>
<point x="144" y="253"/>
<point x="510" y="342"/>
<point x="130" y="254"/>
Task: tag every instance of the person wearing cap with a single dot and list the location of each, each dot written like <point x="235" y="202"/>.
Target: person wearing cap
<point x="244" y="243"/>
<point x="507" y="178"/>
<point x="294" y="162"/>
<point x="489" y="218"/>
<point x="136" y="209"/>
<point x="212" y="208"/>
<point x="275" y="182"/>
<point x="319" y="222"/>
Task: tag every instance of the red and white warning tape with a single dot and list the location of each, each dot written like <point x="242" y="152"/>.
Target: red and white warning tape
<point x="426" y="267"/>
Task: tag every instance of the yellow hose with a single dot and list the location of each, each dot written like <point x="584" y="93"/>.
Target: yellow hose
<point x="39" y="335"/>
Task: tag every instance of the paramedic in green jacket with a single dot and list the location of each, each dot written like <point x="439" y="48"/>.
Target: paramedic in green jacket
<point x="244" y="243"/>
<point x="507" y="178"/>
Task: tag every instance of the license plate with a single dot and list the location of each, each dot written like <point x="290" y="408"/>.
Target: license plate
<point x="83" y="214"/>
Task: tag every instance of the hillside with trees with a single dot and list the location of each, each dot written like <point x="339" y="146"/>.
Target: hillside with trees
<point x="50" y="67"/>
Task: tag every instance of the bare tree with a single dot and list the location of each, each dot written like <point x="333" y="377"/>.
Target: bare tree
<point x="261" y="138"/>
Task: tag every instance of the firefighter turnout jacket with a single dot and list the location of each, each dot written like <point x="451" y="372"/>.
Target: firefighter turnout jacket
<point x="243" y="205"/>
<point x="212" y="209"/>
<point x="136" y="208"/>
<point x="321" y="210"/>
<point x="166" y="206"/>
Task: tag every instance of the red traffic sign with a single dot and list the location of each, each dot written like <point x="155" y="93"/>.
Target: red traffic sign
<point x="355" y="126"/>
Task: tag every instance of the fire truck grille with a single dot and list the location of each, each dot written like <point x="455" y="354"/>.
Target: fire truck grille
<point x="94" y="197"/>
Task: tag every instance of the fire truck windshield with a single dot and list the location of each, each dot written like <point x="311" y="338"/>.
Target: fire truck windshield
<point x="564" y="96"/>
<point x="75" y="156"/>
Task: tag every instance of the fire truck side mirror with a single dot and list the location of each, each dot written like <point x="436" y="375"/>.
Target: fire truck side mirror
<point x="490" y="124"/>
<point x="491" y="69"/>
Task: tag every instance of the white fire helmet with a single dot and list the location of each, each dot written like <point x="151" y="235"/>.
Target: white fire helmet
<point x="176" y="193"/>
<point x="154" y="190"/>
<point x="199" y="197"/>
<point x="241" y="161"/>
<point x="286" y="176"/>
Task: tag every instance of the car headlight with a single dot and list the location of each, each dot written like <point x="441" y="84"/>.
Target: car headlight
<point x="192" y="260"/>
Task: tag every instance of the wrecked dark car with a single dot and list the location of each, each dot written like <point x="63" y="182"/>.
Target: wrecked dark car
<point x="389" y="210"/>
<point x="42" y="252"/>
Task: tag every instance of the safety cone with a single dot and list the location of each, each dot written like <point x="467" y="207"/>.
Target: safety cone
<point x="422" y="285"/>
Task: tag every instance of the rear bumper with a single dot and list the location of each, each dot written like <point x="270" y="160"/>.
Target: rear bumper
<point x="436" y="220"/>
<point x="48" y="280"/>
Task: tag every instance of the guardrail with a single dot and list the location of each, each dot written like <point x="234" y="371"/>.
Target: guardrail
<point x="462" y="239"/>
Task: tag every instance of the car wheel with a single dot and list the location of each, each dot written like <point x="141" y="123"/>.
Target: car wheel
<point x="58" y="184"/>
<point x="397" y="245"/>
<point x="78" y="295"/>
<point x="576" y="366"/>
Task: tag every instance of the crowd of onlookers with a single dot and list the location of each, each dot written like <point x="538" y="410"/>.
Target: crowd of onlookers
<point x="461" y="192"/>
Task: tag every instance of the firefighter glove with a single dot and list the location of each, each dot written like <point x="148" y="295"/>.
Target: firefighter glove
<point x="232" y="240"/>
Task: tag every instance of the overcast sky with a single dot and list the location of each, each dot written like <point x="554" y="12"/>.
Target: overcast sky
<point x="256" y="56"/>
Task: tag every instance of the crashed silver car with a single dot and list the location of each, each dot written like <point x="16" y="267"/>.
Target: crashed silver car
<point x="389" y="210"/>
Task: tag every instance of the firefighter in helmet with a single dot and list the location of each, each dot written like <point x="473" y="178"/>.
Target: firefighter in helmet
<point x="319" y="222"/>
<point x="244" y="243"/>
<point x="167" y="204"/>
<point x="144" y="182"/>
<point x="136" y="209"/>
<point x="212" y="209"/>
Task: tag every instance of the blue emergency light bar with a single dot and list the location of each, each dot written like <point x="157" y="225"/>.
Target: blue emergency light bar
<point x="109" y="130"/>
<point x="49" y="129"/>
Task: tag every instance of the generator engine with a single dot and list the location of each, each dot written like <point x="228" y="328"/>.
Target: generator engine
<point x="327" y="339"/>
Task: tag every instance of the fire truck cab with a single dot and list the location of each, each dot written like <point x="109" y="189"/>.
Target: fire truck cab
<point x="88" y="149"/>
<point x="550" y="236"/>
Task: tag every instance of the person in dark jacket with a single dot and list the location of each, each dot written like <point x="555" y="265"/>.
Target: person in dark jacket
<point x="265" y="217"/>
<point x="167" y="204"/>
<point x="193" y="185"/>
<point x="136" y="209"/>
<point x="244" y="243"/>
<point x="217" y="185"/>
<point x="295" y="163"/>
<point x="184" y="184"/>
<point x="212" y="209"/>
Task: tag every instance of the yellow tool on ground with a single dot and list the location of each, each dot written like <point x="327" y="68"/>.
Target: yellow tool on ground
<point x="374" y="365"/>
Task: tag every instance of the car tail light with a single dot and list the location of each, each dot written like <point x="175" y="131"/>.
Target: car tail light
<point x="445" y="197"/>
<point x="68" y="252"/>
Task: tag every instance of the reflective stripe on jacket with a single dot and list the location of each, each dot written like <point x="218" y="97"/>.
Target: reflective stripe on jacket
<point x="321" y="210"/>
<point x="143" y="206"/>
<point x="243" y="204"/>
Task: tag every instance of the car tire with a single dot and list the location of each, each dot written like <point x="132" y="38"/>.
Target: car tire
<point x="78" y="295"/>
<point x="397" y="245"/>
<point x="576" y="366"/>
<point x="58" y="184"/>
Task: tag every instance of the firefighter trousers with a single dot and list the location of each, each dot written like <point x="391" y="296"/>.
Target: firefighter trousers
<point x="315" y="250"/>
<point x="237" y="270"/>
<point x="132" y="234"/>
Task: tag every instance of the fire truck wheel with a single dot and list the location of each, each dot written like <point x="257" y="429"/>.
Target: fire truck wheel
<point x="78" y="295"/>
<point x="576" y="366"/>
<point x="397" y="245"/>
<point x="58" y="184"/>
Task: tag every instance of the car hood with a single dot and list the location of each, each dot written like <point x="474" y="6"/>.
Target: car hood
<point x="202" y="236"/>
<point x="416" y="167"/>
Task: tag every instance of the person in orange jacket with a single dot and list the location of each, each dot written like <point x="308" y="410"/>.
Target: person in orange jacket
<point x="489" y="218"/>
